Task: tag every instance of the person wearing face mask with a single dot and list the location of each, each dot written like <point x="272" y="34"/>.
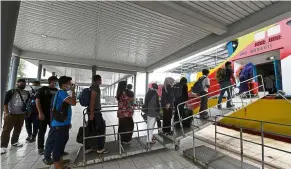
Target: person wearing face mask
<point x="60" y="124"/>
<point x="31" y="120"/>
<point x="14" y="113"/>
<point x="152" y="110"/>
<point x="167" y="102"/>
<point x="43" y="104"/>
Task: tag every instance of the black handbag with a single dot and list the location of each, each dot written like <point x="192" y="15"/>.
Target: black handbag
<point x="60" y="115"/>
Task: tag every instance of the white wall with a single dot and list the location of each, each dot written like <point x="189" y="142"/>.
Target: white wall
<point x="286" y="72"/>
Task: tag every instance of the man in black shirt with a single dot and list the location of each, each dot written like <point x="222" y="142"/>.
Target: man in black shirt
<point x="43" y="103"/>
<point x="224" y="85"/>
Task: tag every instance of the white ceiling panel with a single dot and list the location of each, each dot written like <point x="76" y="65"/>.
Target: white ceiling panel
<point x="118" y="32"/>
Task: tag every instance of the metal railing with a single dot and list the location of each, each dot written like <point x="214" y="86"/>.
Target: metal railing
<point x="147" y="147"/>
<point x="261" y="131"/>
<point x="228" y="88"/>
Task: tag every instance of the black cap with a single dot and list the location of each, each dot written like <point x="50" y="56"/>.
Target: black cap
<point x="21" y="80"/>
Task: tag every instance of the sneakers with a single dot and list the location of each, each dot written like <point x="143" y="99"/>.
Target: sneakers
<point x="103" y="151"/>
<point x="28" y="138"/>
<point x="219" y="106"/>
<point x="47" y="161"/>
<point x="230" y="106"/>
<point x="17" y="144"/>
<point x="126" y="143"/>
<point x="31" y="140"/>
<point x="65" y="153"/>
<point x="41" y="151"/>
<point x="88" y="150"/>
<point x="3" y="150"/>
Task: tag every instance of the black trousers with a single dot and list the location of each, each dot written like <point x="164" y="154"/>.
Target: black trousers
<point x="41" y="132"/>
<point x="125" y="125"/>
<point x="99" y="129"/>
<point x="31" y="125"/>
<point x="167" y="120"/>
<point x="203" y="104"/>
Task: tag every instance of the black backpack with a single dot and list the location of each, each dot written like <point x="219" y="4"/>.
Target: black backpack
<point x="177" y="90"/>
<point x="198" y="86"/>
<point x="32" y="104"/>
<point x="62" y="114"/>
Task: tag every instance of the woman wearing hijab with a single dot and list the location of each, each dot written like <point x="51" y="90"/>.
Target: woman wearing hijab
<point x="167" y="101"/>
<point x="124" y="113"/>
<point x="152" y="106"/>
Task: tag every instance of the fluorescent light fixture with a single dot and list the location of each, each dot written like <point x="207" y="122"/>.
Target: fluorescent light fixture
<point x="271" y="58"/>
<point x="178" y="63"/>
<point x="43" y="35"/>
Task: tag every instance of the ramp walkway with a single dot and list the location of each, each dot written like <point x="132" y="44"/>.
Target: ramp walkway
<point x="205" y="155"/>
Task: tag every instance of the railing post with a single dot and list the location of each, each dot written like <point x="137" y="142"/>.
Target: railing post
<point x="119" y="141"/>
<point x="84" y="141"/>
<point x="194" y="153"/>
<point x="262" y="139"/>
<point x="241" y="147"/>
<point x="114" y="132"/>
<point x="215" y="135"/>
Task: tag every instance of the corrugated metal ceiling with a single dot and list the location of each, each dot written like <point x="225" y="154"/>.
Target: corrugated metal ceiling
<point x="119" y="32"/>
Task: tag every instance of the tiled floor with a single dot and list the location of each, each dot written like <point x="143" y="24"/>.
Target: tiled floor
<point x="27" y="157"/>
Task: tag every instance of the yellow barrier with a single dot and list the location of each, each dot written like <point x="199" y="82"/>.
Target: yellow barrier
<point x="271" y="110"/>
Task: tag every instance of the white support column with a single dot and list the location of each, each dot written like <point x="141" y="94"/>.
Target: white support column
<point x="134" y="85"/>
<point x="147" y="82"/>
<point x="39" y="70"/>
<point x="13" y="74"/>
<point x="9" y="15"/>
<point x="94" y="69"/>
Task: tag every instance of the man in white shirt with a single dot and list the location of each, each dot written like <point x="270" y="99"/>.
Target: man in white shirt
<point x="204" y="98"/>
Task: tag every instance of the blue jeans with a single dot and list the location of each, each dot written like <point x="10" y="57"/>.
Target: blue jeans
<point x="56" y="142"/>
<point x="228" y="90"/>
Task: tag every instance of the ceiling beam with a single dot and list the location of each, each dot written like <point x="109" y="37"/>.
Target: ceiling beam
<point x="267" y="16"/>
<point x="89" y="84"/>
<point x="70" y="65"/>
<point x="16" y="51"/>
<point x="80" y="61"/>
<point x="186" y="15"/>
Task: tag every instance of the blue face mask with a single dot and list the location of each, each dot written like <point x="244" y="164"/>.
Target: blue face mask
<point x="68" y="88"/>
<point x="57" y="85"/>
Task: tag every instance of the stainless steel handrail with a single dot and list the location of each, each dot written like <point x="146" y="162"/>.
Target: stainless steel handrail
<point x="249" y="91"/>
<point x="262" y="123"/>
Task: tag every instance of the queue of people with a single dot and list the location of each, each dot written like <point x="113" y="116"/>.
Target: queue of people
<point x="38" y="108"/>
<point x="51" y="106"/>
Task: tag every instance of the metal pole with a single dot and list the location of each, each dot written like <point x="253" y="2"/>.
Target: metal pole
<point x="119" y="141"/>
<point x="9" y="15"/>
<point x="39" y="70"/>
<point x="13" y="73"/>
<point x="241" y="147"/>
<point x="215" y="136"/>
<point x="262" y="139"/>
<point x="194" y="153"/>
<point x="134" y="86"/>
<point x="84" y="141"/>
<point x="94" y="69"/>
<point x="147" y="82"/>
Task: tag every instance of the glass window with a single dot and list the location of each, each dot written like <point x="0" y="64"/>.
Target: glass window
<point x="274" y="30"/>
<point x="259" y="35"/>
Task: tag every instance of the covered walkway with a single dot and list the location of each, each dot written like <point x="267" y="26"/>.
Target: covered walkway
<point x="122" y="39"/>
